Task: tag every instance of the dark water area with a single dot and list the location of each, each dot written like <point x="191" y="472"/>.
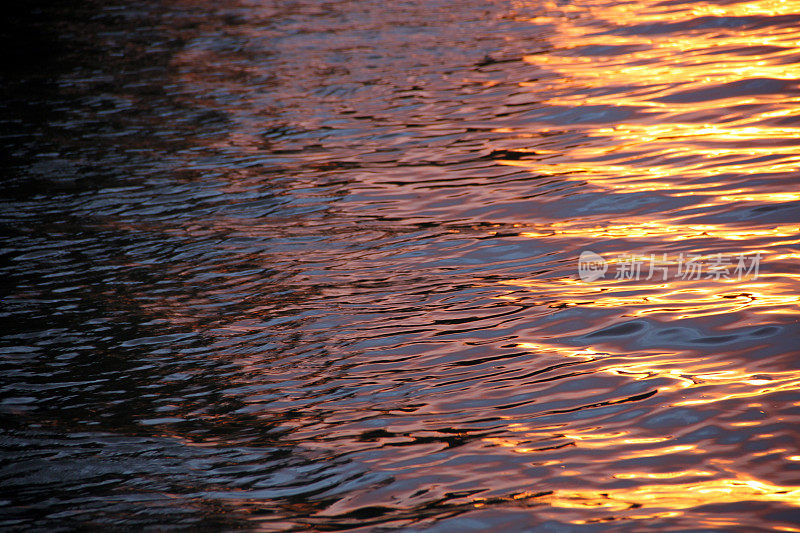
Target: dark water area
<point x="314" y="266"/>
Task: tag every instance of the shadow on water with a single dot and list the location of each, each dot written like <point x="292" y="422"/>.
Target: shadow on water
<point x="105" y="404"/>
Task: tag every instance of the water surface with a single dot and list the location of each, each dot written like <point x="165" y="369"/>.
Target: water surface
<point x="312" y="266"/>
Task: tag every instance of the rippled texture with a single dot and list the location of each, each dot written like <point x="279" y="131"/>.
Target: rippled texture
<point x="312" y="266"/>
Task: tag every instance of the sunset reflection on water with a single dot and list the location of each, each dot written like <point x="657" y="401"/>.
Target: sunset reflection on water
<point x="707" y="121"/>
<point x="312" y="267"/>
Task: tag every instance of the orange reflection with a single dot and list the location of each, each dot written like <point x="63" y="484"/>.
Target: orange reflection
<point x="673" y="109"/>
<point x="674" y="298"/>
<point x="679" y="496"/>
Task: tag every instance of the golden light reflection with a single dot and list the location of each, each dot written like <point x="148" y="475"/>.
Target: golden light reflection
<point x="665" y="499"/>
<point x="671" y="230"/>
<point x="678" y="299"/>
<point x="678" y="496"/>
<point x="728" y="97"/>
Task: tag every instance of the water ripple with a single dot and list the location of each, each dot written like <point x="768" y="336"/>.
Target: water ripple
<point x="301" y="267"/>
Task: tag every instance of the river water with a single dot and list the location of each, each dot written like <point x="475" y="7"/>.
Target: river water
<point x="313" y="266"/>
